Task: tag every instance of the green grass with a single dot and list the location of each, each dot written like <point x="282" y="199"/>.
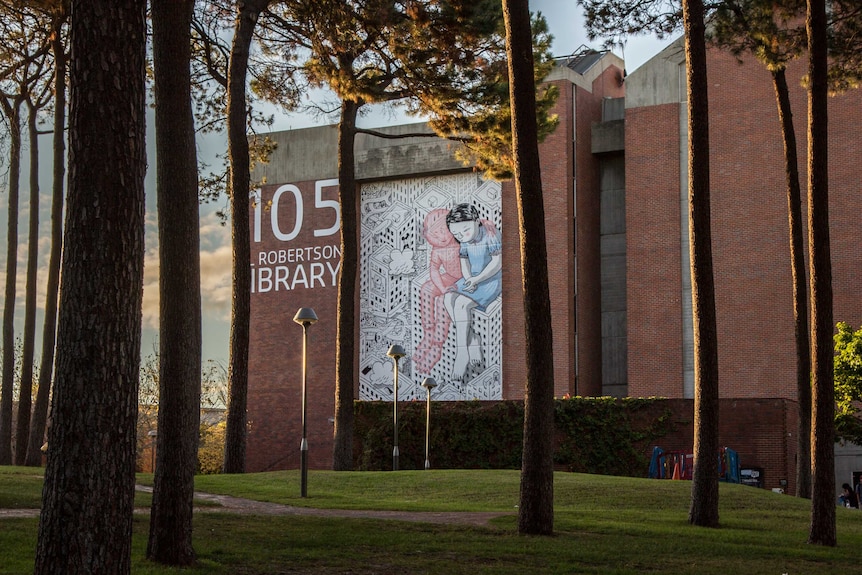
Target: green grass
<point x="438" y="490"/>
<point x="603" y="525"/>
<point x="20" y="487"/>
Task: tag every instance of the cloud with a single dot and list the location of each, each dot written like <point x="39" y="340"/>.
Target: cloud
<point x="151" y="286"/>
<point x="216" y="273"/>
<point x="402" y="262"/>
<point x="216" y="267"/>
<point x="44" y="250"/>
<point x="216" y="281"/>
<point x="214" y="231"/>
<point x="216" y="278"/>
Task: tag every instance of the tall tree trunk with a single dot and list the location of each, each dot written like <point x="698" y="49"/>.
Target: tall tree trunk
<point x="49" y="329"/>
<point x="536" y="509"/>
<point x="800" y="294"/>
<point x="25" y="390"/>
<point x="345" y="350"/>
<point x="170" y="540"/>
<point x="822" y="528"/>
<point x="12" y="110"/>
<point x="704" y="488"/>
<point x="236" y="433"/>
<point x="88" y="497"/>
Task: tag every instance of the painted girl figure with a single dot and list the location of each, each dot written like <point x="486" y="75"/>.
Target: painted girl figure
<point x="444" y="269"/>
<point x="482" y="281"/>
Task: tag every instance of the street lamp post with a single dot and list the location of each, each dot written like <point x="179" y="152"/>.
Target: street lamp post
<point x="396" y="352"/>
<point x="152" y="434"/>
<point x="305" y="316"/>
<point x="429" y="384"/>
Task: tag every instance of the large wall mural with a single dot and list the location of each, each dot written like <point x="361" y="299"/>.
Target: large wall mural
<point x="431" y="280"/>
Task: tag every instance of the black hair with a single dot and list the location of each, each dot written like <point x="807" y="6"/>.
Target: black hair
<point x="462" y="213"/>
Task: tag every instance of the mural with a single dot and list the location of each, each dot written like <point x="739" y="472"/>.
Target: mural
<point x="431" y="279"/>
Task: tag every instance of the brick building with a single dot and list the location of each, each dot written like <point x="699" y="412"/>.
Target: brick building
<point x="614" y="181"/>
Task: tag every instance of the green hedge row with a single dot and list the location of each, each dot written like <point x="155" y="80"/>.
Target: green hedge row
<point x="593" y="435"/>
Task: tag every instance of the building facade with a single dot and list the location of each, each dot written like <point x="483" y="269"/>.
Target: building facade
<point x="754" y="298"/>
<point x="408" y="187"/>
<point x="614" y="181"/>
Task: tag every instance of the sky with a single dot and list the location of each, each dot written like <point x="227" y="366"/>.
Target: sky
<point x="566" y="25"/>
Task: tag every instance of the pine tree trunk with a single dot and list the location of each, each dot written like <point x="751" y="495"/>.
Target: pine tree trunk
<point x="86" y="520"/>
<point x="822" y="528"/>
<point x="25" y="391"/>
<point x="704" y="488"/>
<point x="345" y="349"/>
<point x="236" y="432"/>
<point x="536" y="509"/>
<point x="52" y="286"/>
<point x="800" y="294"/>
<point x="13" y="116"/>
<point x="170" y="540"/>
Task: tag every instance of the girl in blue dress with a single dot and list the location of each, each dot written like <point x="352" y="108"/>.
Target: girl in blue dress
<point x="481" y="266"/>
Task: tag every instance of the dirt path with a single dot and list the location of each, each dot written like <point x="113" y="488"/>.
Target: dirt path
<point x="228" y="504"/>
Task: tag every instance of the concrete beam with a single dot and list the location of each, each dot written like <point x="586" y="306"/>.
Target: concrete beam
<point x="608" y="136"/>
<point x="310" y="154"/>
<point x="661" y="80"/>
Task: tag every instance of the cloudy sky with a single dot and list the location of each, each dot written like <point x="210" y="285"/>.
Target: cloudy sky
<point x="565" y="20"/>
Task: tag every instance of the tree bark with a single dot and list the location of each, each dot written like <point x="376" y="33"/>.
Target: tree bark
<point x="536" y="509"/>
<point x="236" y="432"/>
<point x="86" y="520"/>
<point x="49" y="329"/>
<point x="12" y="110"/>
<point x="345" y="350"/>
<point x="25" y="390"/>
<point x="170" y="540"/>
<point x="822" y="527"/>
<point x="704" y="489"/>
<point x="800" y="293"/>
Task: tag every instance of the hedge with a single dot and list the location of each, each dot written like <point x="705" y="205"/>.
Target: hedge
<point x="593" y="435"/>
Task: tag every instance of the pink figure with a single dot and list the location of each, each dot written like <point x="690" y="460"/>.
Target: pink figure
<point x="444" y="269"/>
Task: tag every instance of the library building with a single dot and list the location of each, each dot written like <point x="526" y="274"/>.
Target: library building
<point x="614" y="178"/>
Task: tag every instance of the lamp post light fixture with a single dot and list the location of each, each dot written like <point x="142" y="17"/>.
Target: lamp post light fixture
<point x="305" y="316"/>
<point x="429" y="384"/>
<point x="396" y="352"/>
<point x="152" y="434"/>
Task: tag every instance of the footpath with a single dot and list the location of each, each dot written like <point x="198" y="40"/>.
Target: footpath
<point x="238" y="505"/>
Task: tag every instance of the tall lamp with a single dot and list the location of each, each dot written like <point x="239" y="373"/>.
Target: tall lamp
<point x="429" y="384"/>
<point x="305" y="316"/>
<point x="396" y="352"/>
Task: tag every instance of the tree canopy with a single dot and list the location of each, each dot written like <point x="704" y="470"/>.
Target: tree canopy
<point x="444" y="60"/>
<point x="848" y="383"/>
<point x="774" y="31"/>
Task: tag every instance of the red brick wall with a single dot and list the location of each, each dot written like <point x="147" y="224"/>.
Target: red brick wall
<point x="761" y="431"/>
<point x="753" y="285"/>
<point x="653" y="252"/>
<point x="275" y="352"/>
<point x="845" y="153"/>
<point x="514" y="366"/>
<point x="557" y="170"/>
<point x="558" y="174"/>
<point x="749" y="227"/>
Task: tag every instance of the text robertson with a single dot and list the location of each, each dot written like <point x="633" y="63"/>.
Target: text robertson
<point x="310" y="267"/>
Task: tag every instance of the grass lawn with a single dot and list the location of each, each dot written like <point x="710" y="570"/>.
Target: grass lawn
<point x="603" y="525"/>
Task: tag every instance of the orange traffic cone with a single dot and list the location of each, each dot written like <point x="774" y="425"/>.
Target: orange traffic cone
<point x="675" y="471"/>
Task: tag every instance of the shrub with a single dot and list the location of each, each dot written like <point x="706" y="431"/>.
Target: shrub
<point x="593" y="435"/>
